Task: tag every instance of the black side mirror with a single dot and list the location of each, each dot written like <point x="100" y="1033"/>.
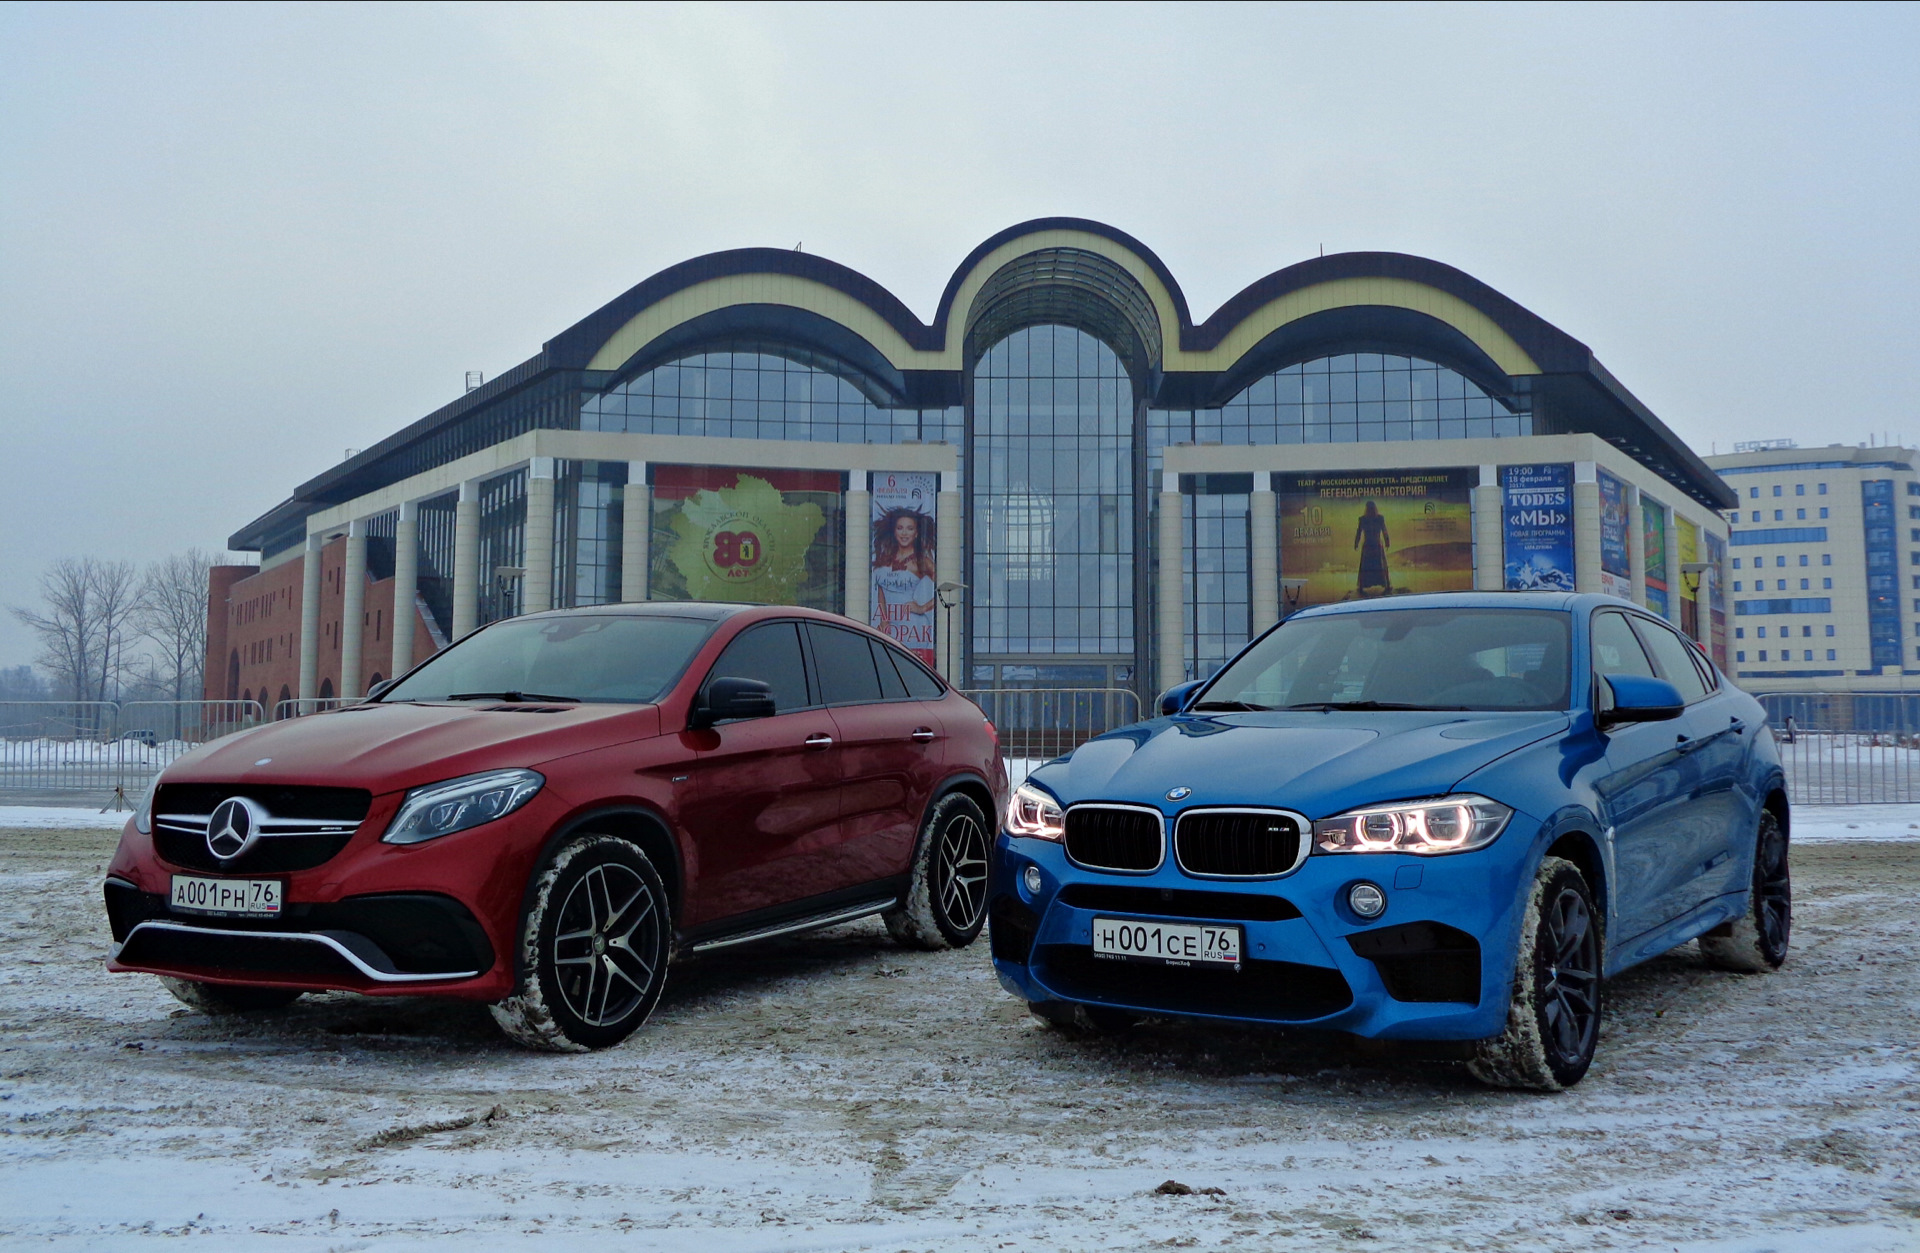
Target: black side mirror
<point x="1174" y="699"/>
<point x="728" y="698"/>
<point x="373" y="693"/>
<point x="1637" y="698"/>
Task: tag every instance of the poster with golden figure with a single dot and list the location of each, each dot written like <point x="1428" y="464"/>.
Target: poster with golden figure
<point x="1355" y="535"/>
<point x="902" y="592"/>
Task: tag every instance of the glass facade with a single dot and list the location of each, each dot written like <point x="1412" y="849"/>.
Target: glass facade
<point x="589" y="499"/>
<point x="1219" y="612"/>
<point x="1053" y="497"/>
<point x="503" y="545"/>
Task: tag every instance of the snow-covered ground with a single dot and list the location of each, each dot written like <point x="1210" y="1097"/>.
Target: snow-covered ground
<point x="60" y="817"/>
<point x="834" y="1092"/>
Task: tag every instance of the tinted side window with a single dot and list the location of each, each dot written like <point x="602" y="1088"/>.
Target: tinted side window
<point x="771" y="654"/>
<point x="920" y="684"/>
<point x="1615" y="650"/>
<point x="891" y="687"/>
<point x="845" y="664"/>
<point x="1675" y="658"/>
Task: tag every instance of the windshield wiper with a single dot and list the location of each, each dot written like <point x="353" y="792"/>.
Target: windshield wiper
<point x="1231" y="706"/>
<point x="513" y="696"/>
<point x="1343" y="705"/>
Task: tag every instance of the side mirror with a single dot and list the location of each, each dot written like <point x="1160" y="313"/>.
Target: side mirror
<point x="728" y="698"/>
<point x="374" y="692"/>
<point x="1174" y="699"/>
<point x="1637" y="698"/>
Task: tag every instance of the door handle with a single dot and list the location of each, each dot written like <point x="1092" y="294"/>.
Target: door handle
<point x="818" y="740"/>
<point x="922" y="735"/>
<point x="1685" y="745"/>
<point x="1736" y="726"/>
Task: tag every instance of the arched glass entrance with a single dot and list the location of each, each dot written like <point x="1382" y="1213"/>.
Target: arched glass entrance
<point x="1053" y="571"/>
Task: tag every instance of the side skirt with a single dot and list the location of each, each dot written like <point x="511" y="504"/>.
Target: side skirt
<point x="827" y="910"/>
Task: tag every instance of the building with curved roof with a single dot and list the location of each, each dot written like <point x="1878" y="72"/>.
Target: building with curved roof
<point x="1063" y="480"/>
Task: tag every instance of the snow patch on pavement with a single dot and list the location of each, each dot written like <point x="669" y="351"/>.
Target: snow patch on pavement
<point x="60" y="818"/>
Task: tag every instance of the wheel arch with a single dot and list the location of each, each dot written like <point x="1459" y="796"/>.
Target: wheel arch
<point x="976" y="790"/>
<point x="1775" y="803"/>
<point x="643" y="826"/>
<point x="1576" y="843"/>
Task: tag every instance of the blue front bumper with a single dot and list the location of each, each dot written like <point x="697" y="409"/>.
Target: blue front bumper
<point x="1299" y="961"/>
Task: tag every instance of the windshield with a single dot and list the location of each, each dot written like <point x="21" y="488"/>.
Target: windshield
<point x="1402" y="659"/>
<point x="621" y="659"/>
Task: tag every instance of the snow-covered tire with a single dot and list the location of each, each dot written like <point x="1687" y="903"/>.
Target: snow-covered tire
<point x="1757" y="940"/>
<point x="592" y="958"/>
<point x="946" y="900"/>
<point x="222" y="998"/>
<point x="1553" y="1019"/>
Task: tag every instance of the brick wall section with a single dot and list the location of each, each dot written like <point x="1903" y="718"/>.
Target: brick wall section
<point x="253" y="630"/>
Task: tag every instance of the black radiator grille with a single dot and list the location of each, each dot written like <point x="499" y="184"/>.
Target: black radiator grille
<point x="1110" y="838"/>
<point x="306" y="826"/>
<point x="1238" y="843"/>
<point x="1276" y="991"/>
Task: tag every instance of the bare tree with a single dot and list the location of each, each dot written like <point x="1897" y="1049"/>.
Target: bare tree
<point x="173" y="615"/>
<point x="89" y="609"/>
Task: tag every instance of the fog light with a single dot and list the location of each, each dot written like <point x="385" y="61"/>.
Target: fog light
<point x="1366" y="900"/>
<point x="1033" y="880"/>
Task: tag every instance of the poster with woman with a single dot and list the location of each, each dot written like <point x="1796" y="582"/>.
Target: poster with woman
<point x="903" y="595"/>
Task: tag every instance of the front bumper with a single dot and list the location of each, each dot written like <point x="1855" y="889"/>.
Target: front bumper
<point x="1437" y="965"/>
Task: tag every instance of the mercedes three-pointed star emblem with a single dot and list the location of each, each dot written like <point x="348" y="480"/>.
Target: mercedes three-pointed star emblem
<point x="234" y="827"/>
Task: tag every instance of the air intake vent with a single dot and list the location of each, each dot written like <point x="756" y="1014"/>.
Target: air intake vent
<point x="1239" y="843"/>
<point x="1114" y="837"/>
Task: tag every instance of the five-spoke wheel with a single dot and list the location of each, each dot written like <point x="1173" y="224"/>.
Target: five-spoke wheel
<point x="1553" y="1019"/>
<point x="946" y="900"/>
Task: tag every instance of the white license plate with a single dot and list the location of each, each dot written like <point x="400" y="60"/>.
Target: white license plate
<point x="1168" y="943"/>
<point x="226" y="896"/>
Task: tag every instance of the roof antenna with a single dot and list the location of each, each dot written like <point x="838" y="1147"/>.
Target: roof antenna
<point x="796" y="247"/>
<point x="1323" y="250"/>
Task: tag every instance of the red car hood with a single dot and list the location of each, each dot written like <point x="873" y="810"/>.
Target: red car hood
<point x="385" y="748"/>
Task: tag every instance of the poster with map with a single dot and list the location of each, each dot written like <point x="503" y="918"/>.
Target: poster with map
<point x="769" y="537"/>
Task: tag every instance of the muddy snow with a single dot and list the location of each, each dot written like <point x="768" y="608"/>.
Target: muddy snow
<point x="834" y="1092"/>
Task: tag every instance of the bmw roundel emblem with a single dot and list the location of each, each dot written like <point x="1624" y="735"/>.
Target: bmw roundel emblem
<point x="234" y="826"/>
<point x="1179" y="793"/>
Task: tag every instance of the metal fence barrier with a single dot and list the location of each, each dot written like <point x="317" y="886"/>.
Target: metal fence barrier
<point x="309" y="705"/>
<point x="1040" y="723"/>
<point x="106" y="749"/>
<point x="1850" y="767"/>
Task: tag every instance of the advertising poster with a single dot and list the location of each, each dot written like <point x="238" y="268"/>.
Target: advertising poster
<point x="1537" y="506"/>
<point x="1686" y="543"/>
<point x="1366" y="533"/>
<point x="1716" y="600"/>
<point x="1616" y="569"/>
<point x="1653" y="517"/>
<point x="901" y="596"/>
<point x="761" y="536"/>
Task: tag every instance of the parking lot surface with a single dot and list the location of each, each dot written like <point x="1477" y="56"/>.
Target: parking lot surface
<point x="835" y="1092"/>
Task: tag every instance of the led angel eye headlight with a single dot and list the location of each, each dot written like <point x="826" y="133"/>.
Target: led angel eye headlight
<point x="1446" y="824"/>
<point x="1034" y="814"/>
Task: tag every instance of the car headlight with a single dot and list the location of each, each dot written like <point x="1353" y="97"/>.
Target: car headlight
<point x="143" y="813"/>
<point x="440" y="809"/>
<point x="1447" y="824"/>
<point x="1034" y="814"/>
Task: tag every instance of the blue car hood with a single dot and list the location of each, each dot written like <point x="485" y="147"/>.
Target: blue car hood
<point x="1316" y="763"/>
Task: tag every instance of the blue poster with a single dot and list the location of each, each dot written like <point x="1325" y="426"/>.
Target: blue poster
<point x="1538" y="509"/>
<point x="1616" y="574"/>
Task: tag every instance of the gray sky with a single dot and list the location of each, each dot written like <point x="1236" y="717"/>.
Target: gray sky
<point x="235" y="242"/>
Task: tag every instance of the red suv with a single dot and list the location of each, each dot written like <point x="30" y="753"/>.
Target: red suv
<point x="542" y="816"/>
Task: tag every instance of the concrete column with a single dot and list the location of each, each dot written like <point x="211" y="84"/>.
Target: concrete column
<point x="406" y="586"/>
<point x="353" y="610"/>
<point x="1489" y="532"/>
<point x="859" y="542"/>
<point x="950" y="626"/>
<point x="1173" y="585"/>
<point x="636" y="534"/>
<point x="1263" y="534"/>
<point x="310" y="619"/>
<point x="1636" y="546"/>
<point x="536" y="586"/>
<point x="1586" y="526"/>
<point x="466" y="560"/>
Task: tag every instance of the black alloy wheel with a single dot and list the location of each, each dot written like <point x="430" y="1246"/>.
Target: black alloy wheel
<point x="1757" y="941"/>
<point x="605" y="951"/>
<point x="946" y="900"/>
<point x="1553" y="1016"/>
<point x="960" y="873"/>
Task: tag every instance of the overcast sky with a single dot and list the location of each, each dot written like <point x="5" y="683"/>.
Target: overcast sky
<point x="235" y="242"/>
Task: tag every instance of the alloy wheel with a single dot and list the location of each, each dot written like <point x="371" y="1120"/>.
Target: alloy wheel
<point x="963" y="872"/>
<point x="1774" y="886"/>
<point x="1570" y="987"/>
<point x="608" y="921"/>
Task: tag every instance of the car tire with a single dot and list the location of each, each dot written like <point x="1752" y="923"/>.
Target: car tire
<point x="593" y="948"/>
<point x="223" y="998"/>
<point x="1083" y="1020"/>
<point x="1553" y="1018"/>
<point x="946" y="901"/>
<point x="1757" y="940"/>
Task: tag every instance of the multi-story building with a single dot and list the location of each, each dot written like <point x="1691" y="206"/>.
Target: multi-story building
<point x="1063" y="480"/>
<point x="1825" y="568"/>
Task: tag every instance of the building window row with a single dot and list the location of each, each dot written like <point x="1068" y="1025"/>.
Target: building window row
<point x="1786" y="654"/>
<point x="1799" y="489"/>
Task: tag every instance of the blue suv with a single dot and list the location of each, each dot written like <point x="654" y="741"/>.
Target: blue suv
<point x="1439" y="817"/>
